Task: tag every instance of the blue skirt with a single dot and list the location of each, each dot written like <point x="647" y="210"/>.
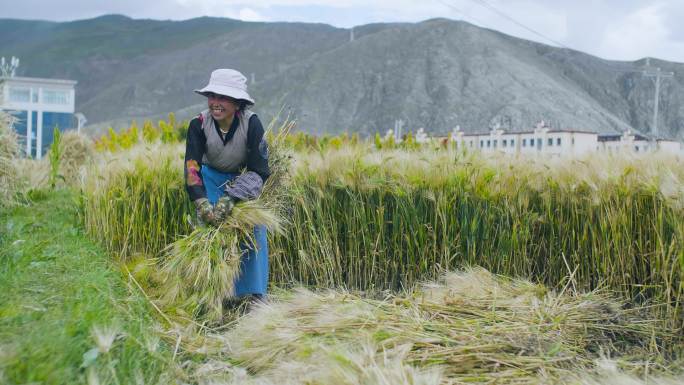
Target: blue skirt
<point x="253" y="278"/>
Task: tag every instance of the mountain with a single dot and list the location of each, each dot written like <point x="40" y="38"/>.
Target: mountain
<point x="436" y="74"/>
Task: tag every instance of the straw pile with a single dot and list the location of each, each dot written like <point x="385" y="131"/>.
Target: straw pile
<point x="77" y="151"/>
<point x="9" y="151"/>
<point x="66" y="167"/>
<point x="471" y="327"/>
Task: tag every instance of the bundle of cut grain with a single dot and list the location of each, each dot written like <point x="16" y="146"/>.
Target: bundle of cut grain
<point x="199" y="270"/>
<point x="76" y="152"/>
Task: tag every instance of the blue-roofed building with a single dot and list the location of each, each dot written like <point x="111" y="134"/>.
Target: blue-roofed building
<point x="39" y="105"/>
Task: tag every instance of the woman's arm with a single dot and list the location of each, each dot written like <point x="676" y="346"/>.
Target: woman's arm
<point x="250" y="183"/>
<point x="195" y="146"/>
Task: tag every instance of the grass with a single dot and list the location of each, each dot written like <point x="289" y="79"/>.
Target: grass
<point x="66" y="313"/>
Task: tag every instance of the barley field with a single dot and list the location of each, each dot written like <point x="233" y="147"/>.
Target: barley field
<point x="390" y="263"/>
<point x="368" y="219"/>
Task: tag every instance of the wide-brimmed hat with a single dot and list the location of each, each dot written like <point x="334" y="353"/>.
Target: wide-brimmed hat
<point x="227" y="82"/>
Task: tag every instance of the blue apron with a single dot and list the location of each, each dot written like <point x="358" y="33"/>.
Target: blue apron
<point x="253" y="278"/>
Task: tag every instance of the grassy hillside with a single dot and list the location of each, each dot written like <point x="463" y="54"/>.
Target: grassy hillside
<point x="105" y="37"/>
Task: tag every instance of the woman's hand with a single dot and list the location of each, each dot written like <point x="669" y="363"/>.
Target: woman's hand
<point x="223" y="208"/>
<point x="205" y="212"/>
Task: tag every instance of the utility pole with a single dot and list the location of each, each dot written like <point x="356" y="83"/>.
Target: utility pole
<point x="398" y="125"/>
<point x="8" y="68"/>
<point x="658" y="74"/>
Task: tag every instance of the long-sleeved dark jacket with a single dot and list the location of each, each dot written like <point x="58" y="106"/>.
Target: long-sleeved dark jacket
<point x="255" y="165"/>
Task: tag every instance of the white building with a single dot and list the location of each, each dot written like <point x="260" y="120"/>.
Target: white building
<point x="636" y="143"/>
<point x="670" y="146"/>
<point x="542" y="139"/>
<point x="545" y="140"/>
<point x="39" y="105"/>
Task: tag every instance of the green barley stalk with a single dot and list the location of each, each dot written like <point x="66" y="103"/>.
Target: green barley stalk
<point x="55" y="156"/>
<point x="368" y="219"/>
<point x="135" y="200"/>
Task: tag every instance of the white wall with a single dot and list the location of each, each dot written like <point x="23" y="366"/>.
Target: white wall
<point x="38" y="89"/>
<point x="571" y="143"/>
<point x="583" y="142"/>
<point x="532" y="143"/>
<point x="669" y="146"/>
<point x="37" y="102"/>
<point x="528" y="143"/>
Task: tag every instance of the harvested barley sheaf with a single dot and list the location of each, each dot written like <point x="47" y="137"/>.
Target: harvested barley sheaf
<point x="77" y="152"/>
<point x="198" y="271"/>
<point x="471" y="327"/>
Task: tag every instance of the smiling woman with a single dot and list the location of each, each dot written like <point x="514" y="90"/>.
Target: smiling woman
<point x="226" y="161"/>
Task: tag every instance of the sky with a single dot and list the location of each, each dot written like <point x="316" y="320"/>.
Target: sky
<point x="610" y="29"/>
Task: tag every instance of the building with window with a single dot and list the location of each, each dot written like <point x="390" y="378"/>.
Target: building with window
<point x="542" y="139"/>
<point x="545" y="140"/>
<point x="632" y="142"/>
<point x="39" y="105"/>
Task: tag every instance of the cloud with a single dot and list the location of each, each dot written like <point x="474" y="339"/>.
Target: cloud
<point x="674" y="14"/>
<point x="248" y="14"/>
<point x="295" y="3"/>
<point x="612" y="29"/>
<point x="529" y="19"/>
<point x="641" y="33"/>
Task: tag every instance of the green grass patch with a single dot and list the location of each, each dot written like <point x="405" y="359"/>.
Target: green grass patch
<point x="66" y="313"/>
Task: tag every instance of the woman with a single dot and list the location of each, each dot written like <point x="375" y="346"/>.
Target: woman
<point x="226" y="161"/>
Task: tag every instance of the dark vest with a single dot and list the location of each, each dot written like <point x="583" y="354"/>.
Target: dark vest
<point x="231" y="156"/>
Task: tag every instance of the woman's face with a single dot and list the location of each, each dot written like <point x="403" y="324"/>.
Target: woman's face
<point x="221" y="107"/>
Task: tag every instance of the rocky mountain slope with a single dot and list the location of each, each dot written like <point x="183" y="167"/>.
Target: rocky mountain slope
<point x="436" y="74"/>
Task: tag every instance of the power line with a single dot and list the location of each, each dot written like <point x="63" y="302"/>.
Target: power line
<point x="658" y="74"/>
<point x="618" y="67"/>
<point x="461" y="12"/>
<point x="513" y="20"/>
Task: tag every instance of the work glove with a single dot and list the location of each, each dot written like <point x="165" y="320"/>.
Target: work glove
<point x="205" y="212"/>
<point x="223" y="208"/>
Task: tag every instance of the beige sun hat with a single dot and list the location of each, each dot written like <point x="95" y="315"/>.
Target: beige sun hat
<point x="227" y="82"/>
